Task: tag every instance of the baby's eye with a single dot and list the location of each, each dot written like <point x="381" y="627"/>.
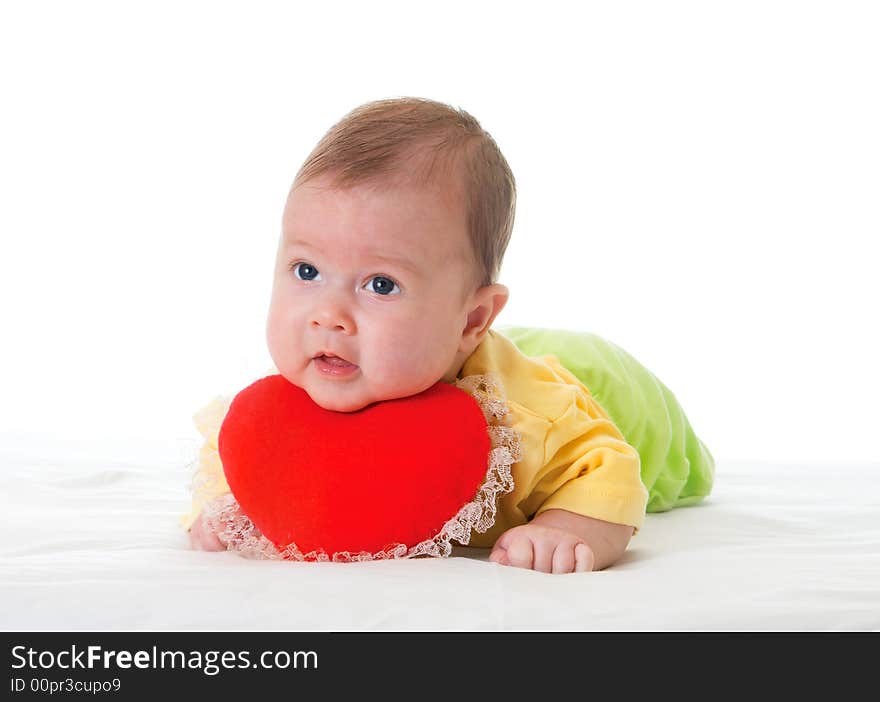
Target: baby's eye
<point x="310" y="270"/>
<point x="384" y="287"/>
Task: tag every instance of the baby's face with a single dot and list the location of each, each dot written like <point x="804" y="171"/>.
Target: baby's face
<point x="378" y="277"/>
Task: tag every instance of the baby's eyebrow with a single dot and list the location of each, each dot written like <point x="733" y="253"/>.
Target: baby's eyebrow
<point x="398" y="260"/>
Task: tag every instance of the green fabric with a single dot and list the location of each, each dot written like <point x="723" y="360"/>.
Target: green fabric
<point x="677" y="468"/>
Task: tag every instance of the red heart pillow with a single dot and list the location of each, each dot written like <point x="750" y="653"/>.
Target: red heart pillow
<point x="391" y="473"/>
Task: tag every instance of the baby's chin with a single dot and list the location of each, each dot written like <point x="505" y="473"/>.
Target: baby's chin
<point x="337" y="402"/>
<point x="337" y="406"/>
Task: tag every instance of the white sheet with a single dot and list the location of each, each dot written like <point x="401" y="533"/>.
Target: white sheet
<point x="92" y="543"/>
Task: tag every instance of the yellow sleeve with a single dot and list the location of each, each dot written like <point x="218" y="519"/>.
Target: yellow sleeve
<point x="209" y="480"/>
<point x="589" y="468"/>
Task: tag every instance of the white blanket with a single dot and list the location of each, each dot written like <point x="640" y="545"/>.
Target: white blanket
<point x="91" y="543"/>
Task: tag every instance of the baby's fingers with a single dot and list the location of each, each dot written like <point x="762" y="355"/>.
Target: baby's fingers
<point x="202" y="538"/>
<point x="564" y="557"/>
<point x="519" y="553"/>
<point x="544" y="549"/>
<point x="499" y="556"/>
<point x="584" y="558"/>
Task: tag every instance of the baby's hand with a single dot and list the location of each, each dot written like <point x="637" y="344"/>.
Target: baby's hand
<point x="543" y="548"/>
<point x="203" y="538"/>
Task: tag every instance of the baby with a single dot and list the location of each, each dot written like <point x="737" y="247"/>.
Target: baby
<point x="392" y="238"/>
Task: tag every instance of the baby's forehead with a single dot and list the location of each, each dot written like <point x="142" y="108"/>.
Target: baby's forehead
<point x="410" y="221"/>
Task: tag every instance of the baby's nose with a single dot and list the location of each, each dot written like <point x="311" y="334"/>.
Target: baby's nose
<point x="333" y="318"/>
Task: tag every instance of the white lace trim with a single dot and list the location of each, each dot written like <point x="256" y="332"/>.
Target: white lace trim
<point x="225" y="518"/>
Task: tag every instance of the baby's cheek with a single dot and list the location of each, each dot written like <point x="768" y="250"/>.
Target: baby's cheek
<point x="408" y="372"/>
<point x="274" y="345"/>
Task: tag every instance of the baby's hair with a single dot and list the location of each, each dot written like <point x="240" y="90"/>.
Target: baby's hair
<point x="376" y="143"/>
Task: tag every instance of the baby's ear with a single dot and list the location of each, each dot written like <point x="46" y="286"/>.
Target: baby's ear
<point x="487" y="302"/>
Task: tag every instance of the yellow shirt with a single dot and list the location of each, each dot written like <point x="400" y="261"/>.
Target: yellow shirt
<point x="573" y="456"/>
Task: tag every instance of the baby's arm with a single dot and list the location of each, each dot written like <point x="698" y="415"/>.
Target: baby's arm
<point x="559" y="541"/>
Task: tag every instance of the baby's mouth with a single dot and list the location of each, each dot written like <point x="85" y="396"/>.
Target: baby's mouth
<point x="335" y="367"/>
<point x="335" y="361"/>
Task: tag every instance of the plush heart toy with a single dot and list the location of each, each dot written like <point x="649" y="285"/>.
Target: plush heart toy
<point x="391" y="473"/>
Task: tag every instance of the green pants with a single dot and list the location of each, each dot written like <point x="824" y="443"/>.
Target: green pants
<point x="677" y="468"/>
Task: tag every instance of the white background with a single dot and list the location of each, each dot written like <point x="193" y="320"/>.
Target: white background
<point x="697" y="182"/>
